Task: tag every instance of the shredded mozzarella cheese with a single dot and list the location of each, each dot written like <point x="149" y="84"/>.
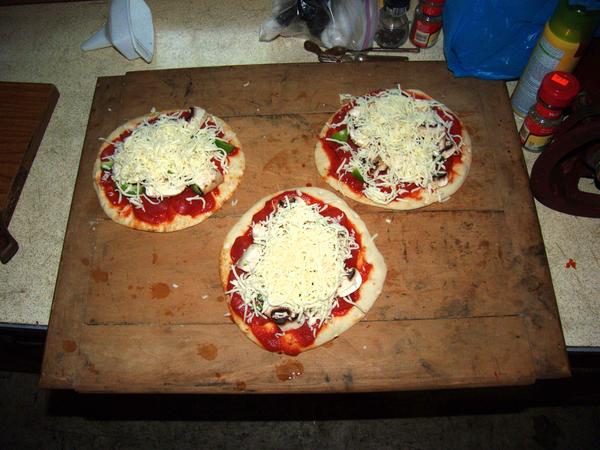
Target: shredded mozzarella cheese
<point x="301" y="264"/>
<point x="401" y="140"/>
<point x="165" y="156"/>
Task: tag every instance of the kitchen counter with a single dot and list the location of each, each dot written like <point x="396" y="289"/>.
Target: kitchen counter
<point x="40" y="43"/>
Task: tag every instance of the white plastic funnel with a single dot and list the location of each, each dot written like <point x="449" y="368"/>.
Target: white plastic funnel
<point x="129" y="29"/>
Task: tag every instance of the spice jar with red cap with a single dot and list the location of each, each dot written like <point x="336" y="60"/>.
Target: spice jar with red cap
<point x="557" y="91"/>
<point x="427" y="23"/>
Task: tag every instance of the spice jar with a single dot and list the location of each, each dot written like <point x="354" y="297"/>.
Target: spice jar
<point x="393" y="24"/>
<point x="427" y="23"/>
<point x="557" y="91"/>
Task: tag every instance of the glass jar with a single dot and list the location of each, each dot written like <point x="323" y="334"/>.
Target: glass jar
<point x="392" y="31"/>
<point x="427" y="23"/>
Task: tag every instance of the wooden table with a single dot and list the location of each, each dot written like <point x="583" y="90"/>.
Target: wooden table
<point x="468" y="299"/>
<point x="25" y="110"/>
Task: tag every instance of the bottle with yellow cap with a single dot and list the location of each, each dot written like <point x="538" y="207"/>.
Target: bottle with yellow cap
<point x="560" y="47"/>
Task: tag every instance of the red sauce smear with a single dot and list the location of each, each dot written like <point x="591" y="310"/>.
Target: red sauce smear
<point x="337" y="154"/>
<point x="170" y="207"/>
<point x="265" y="329"/>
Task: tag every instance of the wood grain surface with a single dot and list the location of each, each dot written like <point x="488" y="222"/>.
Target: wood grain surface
<point x="468" y="299"/>
<point x="25" y="110"/>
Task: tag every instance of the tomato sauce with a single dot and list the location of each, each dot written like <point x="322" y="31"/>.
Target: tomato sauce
<point x="265" y="330"/>
<point x="336" y="154"/>
<point x="166" y="210"/>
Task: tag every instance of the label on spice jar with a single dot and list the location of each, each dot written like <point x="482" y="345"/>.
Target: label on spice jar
<point x="533" y="142"/>
<point x="425" y="34"/>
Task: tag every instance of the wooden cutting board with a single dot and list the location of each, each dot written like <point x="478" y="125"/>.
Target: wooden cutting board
<point x="468" y="299"/>
<point x="25" y="110"/>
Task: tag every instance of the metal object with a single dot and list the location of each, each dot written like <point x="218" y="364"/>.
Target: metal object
<point x="338" y="50"/>
<point x="324" y="56"/>
<point x="342" y="54"/>
<point x="312" y="47"/>
<point x="361" y="57"/>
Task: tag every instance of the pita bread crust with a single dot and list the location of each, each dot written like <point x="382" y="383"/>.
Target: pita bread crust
<point x="223" y="192"/>
<point x="369" y="290"/>
<point x="460" y="172"/>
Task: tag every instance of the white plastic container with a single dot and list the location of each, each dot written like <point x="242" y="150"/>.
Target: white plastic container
<point x="129" y="29"/>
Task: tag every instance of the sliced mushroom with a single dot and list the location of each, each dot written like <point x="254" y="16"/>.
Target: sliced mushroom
<point x="448" y="148"/>
<point x="250" y="258"/>
<point x="448" y="153"/>
<point x="291" y="325"/>
<point x="442" y="181"/>
<point x="350" y="283"/>
<point x="199" y="116"/>
<point x="284" y="201"/>
<point x="258" y="231"/>
<point x="284" y="318"/>
<point x="444" y="143"/>
<point x="280" y="314"/>
<point x="164" y="189"/>
<point x="211" y="182"/>
<point x="379" y="164"/>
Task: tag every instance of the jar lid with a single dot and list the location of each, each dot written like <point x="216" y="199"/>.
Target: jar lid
<point x="397" y="4"/>
<point x="558" y="89"/>
<point x="433" y="7"/>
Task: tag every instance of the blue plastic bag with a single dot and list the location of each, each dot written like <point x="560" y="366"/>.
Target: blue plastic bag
<point x="492" y="39"/>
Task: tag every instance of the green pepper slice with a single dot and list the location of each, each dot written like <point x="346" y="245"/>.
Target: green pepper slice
<point x="107" y="165"/>
<point x="356" y="174"/>
<point x="132" y="189"/>
<point x="341" y="135"/>
<point x="196" y="189"/>
<point x="224" y="145"/>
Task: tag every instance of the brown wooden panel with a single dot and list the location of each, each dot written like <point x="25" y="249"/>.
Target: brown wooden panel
<point x="61" y="364"/>
<point x="465" y="277"/>
<point x="369" y="357"/>
<point x="436" y="269"/>
<point x="529" y="272"/>
<point x="291" y="88"/>
<point x="25" y="110"/>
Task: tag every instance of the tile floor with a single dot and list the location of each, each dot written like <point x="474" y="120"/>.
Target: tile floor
<point x="33" y="418"/>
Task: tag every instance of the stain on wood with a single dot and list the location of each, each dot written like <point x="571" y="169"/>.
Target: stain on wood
<point x="160" y="290"/>
<point x="69" y="346"/>
<point x="99" y="276"/>
<point x="348" y="380"/>
<point x="207" y="351"/>
<point x="240" y="386"/>
<point x="91" y="367"/>
<point x="288" y="370"/>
